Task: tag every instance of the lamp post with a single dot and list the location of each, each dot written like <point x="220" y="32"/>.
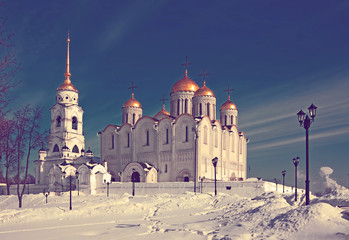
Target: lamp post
<point x="77" y="179"/>
<point x="214" y="162"/>
<point x="64" y="175"/>
<point x="46" y="194"/>
<point x="283" y="180"/>
<point x="107" y="182"/>
<point x="295" y="162"/>
<point x="306" y="124"/>
<point x="133" y="181"/>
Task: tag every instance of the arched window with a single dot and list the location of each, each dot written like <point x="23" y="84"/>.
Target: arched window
<point x="200" y="110"/>
<point x="208" y="109"/>
<point x="231" y="120"/>
<point x="128" y="140"/>
<point x="178" y="103"/>
<point x="112" y="141"/>
<point x="186" y="134"/>
<point x="216" y="138"/>
<point x="58" y="121"/>
<point x="55" y="148"/>
<point x="75" y="149"/>
<point x="186" y="105"/>
<point x="165" y="168"/>
<point x="166" y="142"/>
<point x="225" y="120"/>
<point x="126" y="117"/>
<point x="205" y="134"/>
<point x="75" y="123"/>
<point x="147" y="143"/>
<point x="233" y="144"/>
<point x="133" y="118"/>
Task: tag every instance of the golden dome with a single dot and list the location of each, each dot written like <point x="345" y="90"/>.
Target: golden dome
<point x="185" y="85"/>
<point x="132" y="102"/>
<point x="228" y="105"/>
<point x="67" y="86"/>
<point x="204" y="91"/>
<point x="163" y="111"/>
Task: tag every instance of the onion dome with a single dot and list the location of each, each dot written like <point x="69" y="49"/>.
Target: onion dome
<point x="185" y="85"/>
<point x="65" y="148"/>
<point x="162" y="112"/>
<point x="67" y="85"/>
<point x="132" y="102"/>
<point x="228" y="105"/>
<point x="204" y="91"/>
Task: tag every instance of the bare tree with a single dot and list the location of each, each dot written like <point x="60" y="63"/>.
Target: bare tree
<point x="7" y="150"/>
<point x="27" y="138"/>
<point x="8" y="64"/>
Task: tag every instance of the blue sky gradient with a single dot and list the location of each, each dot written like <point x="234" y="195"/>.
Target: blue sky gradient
<point x="279" y="56"/>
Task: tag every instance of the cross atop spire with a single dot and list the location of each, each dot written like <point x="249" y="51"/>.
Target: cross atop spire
<point x="67" y="70"/>
<point x="228" y="90"/>
<point x="163" y="100"/>
<point x="186" y="65"/>
<point x="204" y="74"/>
<point x="132" y="87"/>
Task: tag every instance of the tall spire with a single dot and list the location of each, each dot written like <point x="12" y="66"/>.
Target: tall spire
<point x="67" y="71"/>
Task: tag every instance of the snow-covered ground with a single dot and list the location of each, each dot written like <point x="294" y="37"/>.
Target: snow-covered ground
<point x="175" y="216"/>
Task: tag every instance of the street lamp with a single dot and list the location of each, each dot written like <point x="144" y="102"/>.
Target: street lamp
<point x="214" y="162"/>
<point x="46" y="194"/>
<point x="107" y="182"/>
<point x="64" y="175"/>
<point x="133" y="181"/>
<point x="201" y="179"/>
<point x="77" y="179"/>
<point x="283" y="181"/>
<point x="306" y="124"/>
<point x="295" y="162"/>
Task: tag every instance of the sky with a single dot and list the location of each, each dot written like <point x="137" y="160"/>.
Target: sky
<point x="279" y="56"/>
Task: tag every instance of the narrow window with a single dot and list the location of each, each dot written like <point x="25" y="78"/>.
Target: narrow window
<point x="112" y="141"/>
<point x="133" y="118"/>
<point x="225" y="120"/>
<point x="126" y="118"/>
<point x="165" y="168"/>
<point x="208" y="109"/>
<point x="166" y="136"/>
<point x="200" y="109"/>
<point x="178" y="102"/>
<point x="58" y="121"/>
<point x="128" y="140"/>
<point x="75" y="123"/>
<point x="233" y="144"/>
<point x="75" y="149"/>
<point x="216" y="138"/>
<point x="186" y="105"/>
<point x="231" y="120"/>
<point x="186" y="133"/>
<point x="147" y="138"/>
<point x="206" y="165"/>
<point x="55" y="148"/>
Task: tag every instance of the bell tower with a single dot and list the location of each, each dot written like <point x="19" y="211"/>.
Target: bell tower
<point x="66" y="132"/>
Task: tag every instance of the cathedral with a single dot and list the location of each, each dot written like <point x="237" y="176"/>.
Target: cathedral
<point x="65" y="160"/>
<point x="176" y="146"/>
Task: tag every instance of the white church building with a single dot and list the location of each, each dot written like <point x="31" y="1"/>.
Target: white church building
<point x="65" y="159"/>
<point x="178" y="146"/>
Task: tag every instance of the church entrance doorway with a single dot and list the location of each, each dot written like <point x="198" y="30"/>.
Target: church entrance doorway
<point x="186" y="179"/>
<point x="135" y="177"/>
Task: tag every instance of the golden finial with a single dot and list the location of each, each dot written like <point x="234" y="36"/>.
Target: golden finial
<point x="204" y="75"/>
<point x="186" y="66"/>
<point x="67" y="72"/>
<point x="228" y="90"/>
